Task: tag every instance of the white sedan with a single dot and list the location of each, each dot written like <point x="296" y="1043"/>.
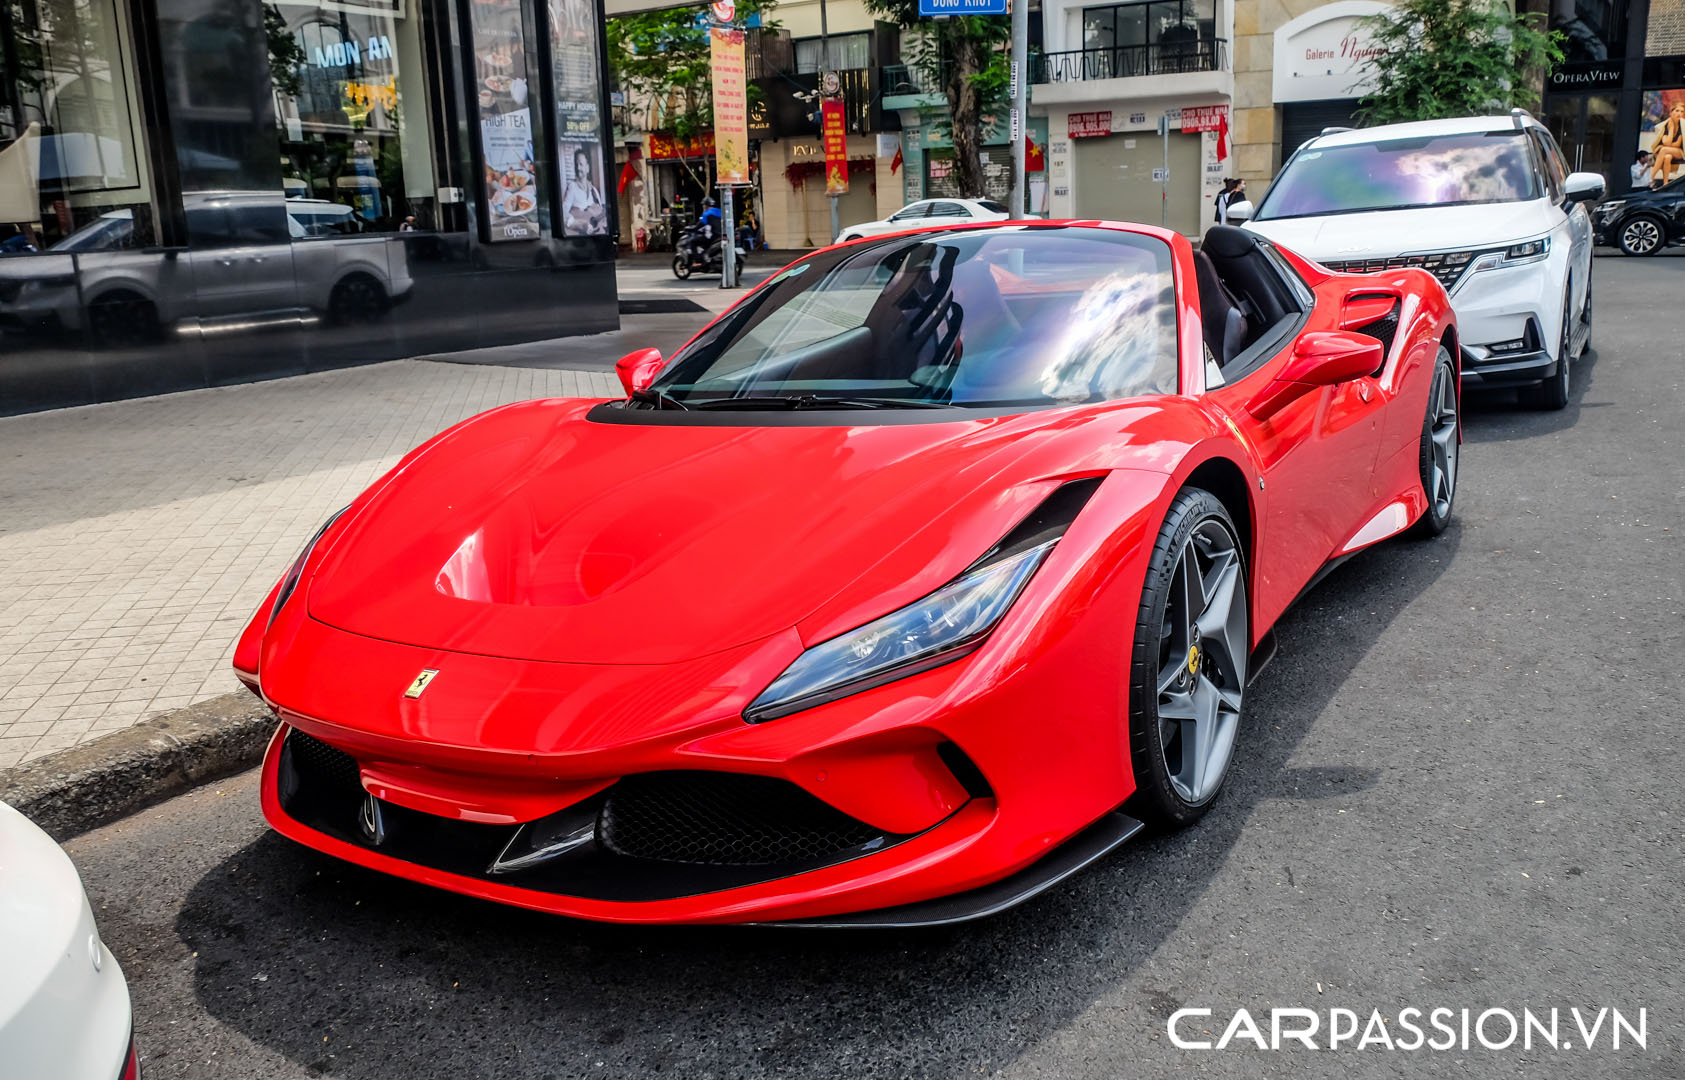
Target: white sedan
<point x="64" y="1007"/>
<point x="928" y="212"/>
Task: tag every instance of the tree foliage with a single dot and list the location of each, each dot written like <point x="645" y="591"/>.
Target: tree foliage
<point x="661" y="60"/>
<point x="1444" y="58"/>
<point x="966" y="56"/>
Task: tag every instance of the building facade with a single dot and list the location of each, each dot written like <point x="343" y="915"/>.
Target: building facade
<point x="1137" y="99"/>
<point x="198" y="192"/>
<point x="663" y="179"/>
<point x="1620" y="89"/>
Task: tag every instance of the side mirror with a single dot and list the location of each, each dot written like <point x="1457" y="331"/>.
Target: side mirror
<point x="1239" y="212"/>
<point x="1584" y="187"/>
<point x="637" y="369"/>
<point x="1322" y="358"/>
<point x="1327" y="357"/>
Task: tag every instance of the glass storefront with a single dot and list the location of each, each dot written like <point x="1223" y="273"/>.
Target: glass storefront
<point x="1617" y="102"/>
<point x="195" y="192"/>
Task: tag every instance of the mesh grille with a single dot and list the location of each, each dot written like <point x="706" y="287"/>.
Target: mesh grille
<point x="1382" y="330"/>
<point x="723" y="819"/>
<point x="1447" y="266"/>
<point x="327" y="768"/>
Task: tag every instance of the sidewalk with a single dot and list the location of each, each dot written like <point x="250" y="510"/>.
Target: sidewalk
<point x="137" y="537"/>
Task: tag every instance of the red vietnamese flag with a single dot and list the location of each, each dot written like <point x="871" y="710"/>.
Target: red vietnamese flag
<point x="1223" y="135"/>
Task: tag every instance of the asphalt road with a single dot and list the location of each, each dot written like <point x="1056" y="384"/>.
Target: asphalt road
<point x="1458" y="786"/>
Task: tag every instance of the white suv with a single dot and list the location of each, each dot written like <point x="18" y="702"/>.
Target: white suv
<point x="1484" y="204"/>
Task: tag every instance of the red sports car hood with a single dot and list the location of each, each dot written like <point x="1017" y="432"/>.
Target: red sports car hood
<point x="532" y="532"/>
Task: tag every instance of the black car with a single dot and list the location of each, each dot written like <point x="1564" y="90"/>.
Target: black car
<point x="1644" y="220"/>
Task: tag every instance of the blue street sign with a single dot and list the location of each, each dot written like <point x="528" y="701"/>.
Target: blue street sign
<point x="962" y="7"/>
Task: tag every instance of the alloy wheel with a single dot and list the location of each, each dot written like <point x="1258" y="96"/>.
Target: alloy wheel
<point x="1641" y="236"/>
<point x="1442" y="432"/>
<point x="1202" y="662"/>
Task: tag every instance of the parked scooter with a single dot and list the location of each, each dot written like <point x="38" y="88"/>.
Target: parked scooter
<point x="700" y="252"/>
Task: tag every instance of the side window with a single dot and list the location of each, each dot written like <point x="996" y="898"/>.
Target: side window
<point x="1552" y="161"/>
<point x="947" y="209"/>
<point x="207" y="227"/>
<point x="259" y="223"/>
<point x="908" y="213"/>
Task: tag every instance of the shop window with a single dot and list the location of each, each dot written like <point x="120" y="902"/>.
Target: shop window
<point x="351" y="117"/>
<point x="72" y="155"/>
<point x="1124" y="40"/>
<point x="847" y="51"/>
<point x="1592" y="30"/>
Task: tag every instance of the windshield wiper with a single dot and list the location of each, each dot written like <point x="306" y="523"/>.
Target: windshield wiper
<point x="814" y="401"/>
<point x="661" y="399"/>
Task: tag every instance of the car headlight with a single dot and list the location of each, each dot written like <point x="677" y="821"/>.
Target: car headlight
<point x="296" y="570"/>
<point x="1529" y="251"/>
<point x="943" y="626"/>
<point x="1610" y="208"/>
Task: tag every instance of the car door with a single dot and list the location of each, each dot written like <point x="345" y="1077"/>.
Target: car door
<point x="1316" y="454"/>
<point x="241" y="257"/>
<point x="1573" y="221"/>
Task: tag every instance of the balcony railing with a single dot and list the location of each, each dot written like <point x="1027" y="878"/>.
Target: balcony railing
<point x="899" y="79"/>
<point x="1127" y="61"/>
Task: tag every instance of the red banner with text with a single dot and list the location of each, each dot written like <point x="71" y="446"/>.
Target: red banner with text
<point x="834" y="134"/>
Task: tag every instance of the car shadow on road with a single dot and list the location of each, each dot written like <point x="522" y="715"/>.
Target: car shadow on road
<point x="362" y="976"/>
<point x="1498" y="415"/>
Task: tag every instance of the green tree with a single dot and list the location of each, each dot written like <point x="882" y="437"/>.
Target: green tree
<point x="1442" y="58"/>
<point x="661" y="60"/>
<point x="966" y="56"/>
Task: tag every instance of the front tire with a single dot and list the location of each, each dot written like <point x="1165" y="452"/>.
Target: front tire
<point x="1441" y="452"/>
<point x="1551" y="395"/>
<point x="1642" y="235"/>
<point x="1187" y="675"/>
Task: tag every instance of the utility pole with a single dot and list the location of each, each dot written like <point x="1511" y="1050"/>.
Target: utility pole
<point x="1020" y="87"/>
<point x="1164" y="175"/>
<point x="824" y="67"/>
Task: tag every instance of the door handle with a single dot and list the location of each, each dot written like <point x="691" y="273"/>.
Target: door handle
<point x="257" y="258"/>
<point x="225" y="262"/>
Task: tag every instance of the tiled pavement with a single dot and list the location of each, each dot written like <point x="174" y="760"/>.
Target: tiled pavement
<point x="136" y="537"/>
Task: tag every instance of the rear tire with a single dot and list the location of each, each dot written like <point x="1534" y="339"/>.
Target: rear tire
<point x="681" y="267"/>
<point x="1187" y="672"/>
<point x="359" y="298"/>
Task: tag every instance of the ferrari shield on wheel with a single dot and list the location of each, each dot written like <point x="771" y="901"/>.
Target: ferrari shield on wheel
<point x="1188" y="675"/>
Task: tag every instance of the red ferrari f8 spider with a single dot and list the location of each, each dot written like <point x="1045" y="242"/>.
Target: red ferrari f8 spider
<point x="919" y="579"/>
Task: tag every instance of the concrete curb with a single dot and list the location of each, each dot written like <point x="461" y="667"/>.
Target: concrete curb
<point x="83" y="787"/>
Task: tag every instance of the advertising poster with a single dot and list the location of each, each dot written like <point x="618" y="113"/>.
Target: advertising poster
<point x="1661" y="131"/>
<point x="731" y="105"/>
<point x="834" y="134"/>
<point x="579" y="130"/>
<point x="500" y="69"/>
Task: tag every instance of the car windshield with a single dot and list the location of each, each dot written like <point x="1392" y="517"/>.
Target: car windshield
<point x="1401" y="174"/>
<point x="1010" y="316"/>
<point x="993" y="207"/>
